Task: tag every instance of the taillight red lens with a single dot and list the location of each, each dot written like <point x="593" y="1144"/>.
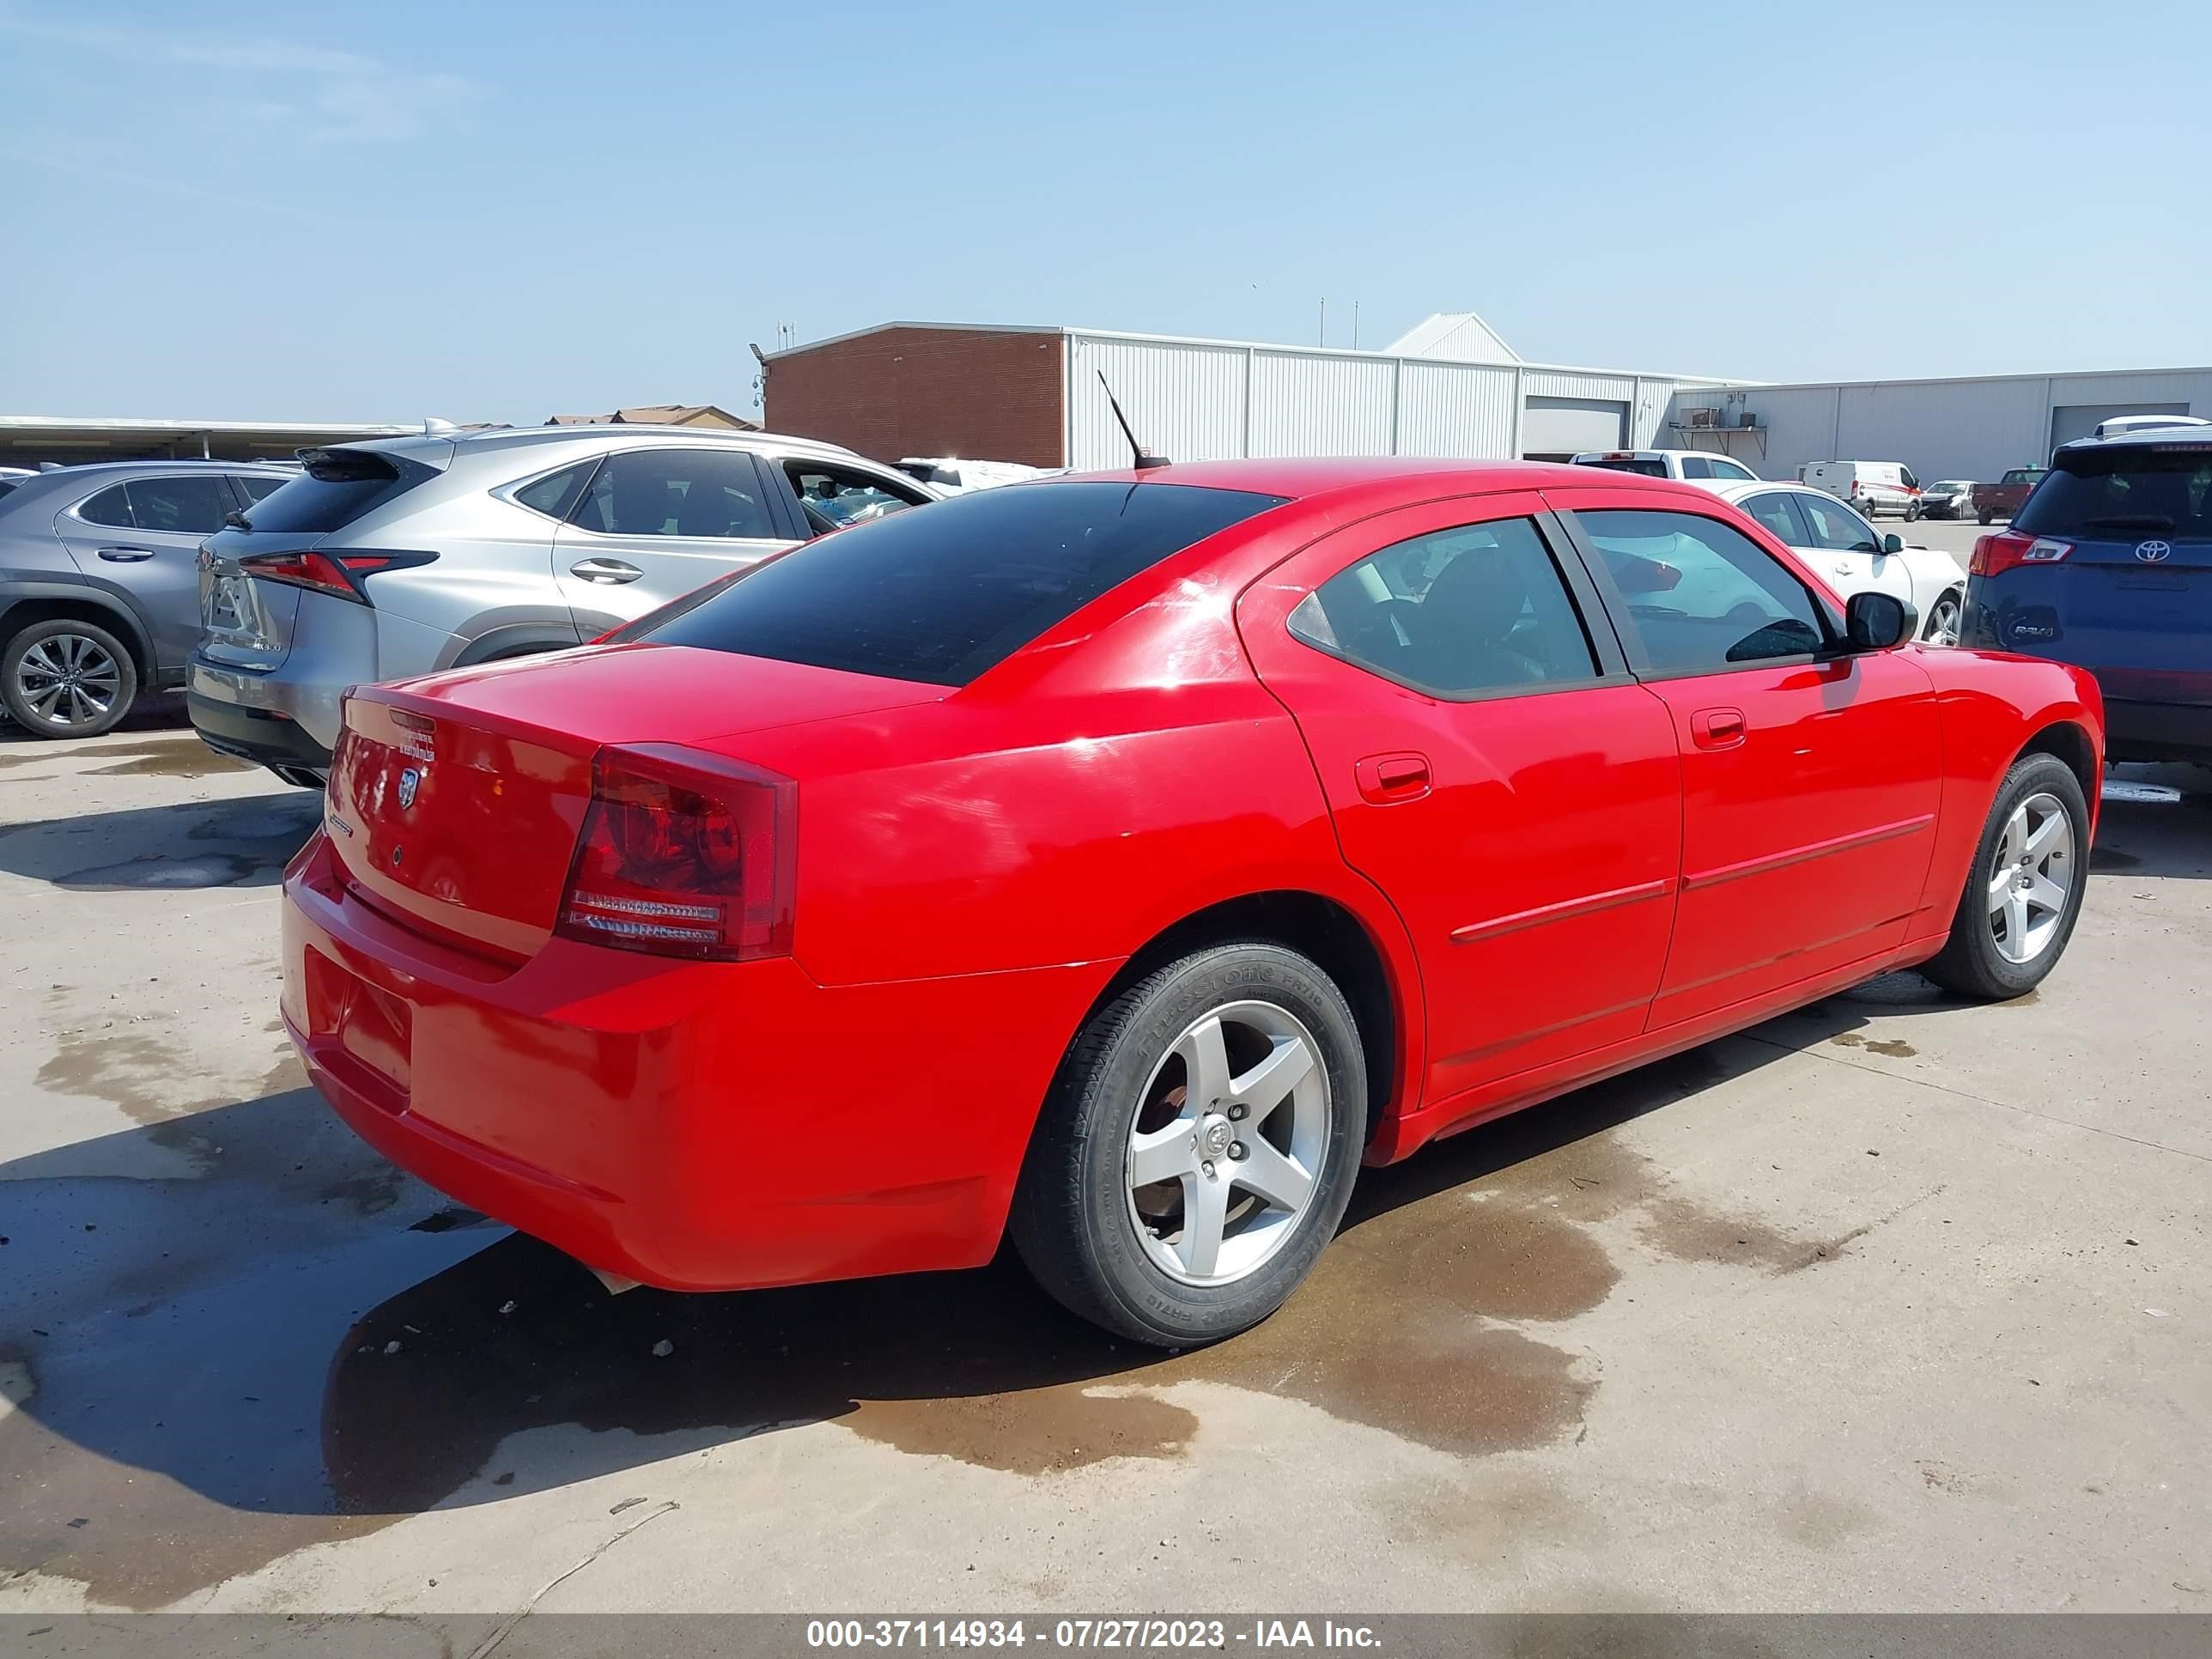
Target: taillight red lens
<point x="335" y="573"/>
<point x="2001" y="549"/>
<point x="316" y="571"/>
<point x="684" y="854"/>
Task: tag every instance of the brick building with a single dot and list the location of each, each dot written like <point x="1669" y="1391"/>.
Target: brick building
<point x="984" y="393"/>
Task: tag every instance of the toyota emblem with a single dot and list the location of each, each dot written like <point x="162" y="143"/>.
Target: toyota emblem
<point x="2154" y="552"/>
<point x="410" y="780"/>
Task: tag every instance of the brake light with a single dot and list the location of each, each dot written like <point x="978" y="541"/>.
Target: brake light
<point x="338" y="574"/>
<point x="684" y="854"/>
<point x="1999" y="551"/>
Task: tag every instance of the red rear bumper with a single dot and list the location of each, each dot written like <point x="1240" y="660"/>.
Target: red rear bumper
<point x="699" y="1126"/>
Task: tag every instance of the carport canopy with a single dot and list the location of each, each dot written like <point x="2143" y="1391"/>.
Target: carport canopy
<point x="32" y="440"/>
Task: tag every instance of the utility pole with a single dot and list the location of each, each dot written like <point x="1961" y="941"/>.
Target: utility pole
<point x="1324" y="319"/>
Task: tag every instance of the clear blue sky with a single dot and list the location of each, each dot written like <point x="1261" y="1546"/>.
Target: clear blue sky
<point x="487" y="211"/>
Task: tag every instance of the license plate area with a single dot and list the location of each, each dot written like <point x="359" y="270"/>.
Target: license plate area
<point x="372" y="1028"/>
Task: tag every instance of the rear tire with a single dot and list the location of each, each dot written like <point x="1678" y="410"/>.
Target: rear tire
<point x="1144" y="1088"/>
<point x="66" y="678"/>
<point x="1981" y="518"/>
<point x="2023" y="892"/>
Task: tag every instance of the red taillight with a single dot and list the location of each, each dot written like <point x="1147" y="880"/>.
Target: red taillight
<point x="2001" y="549"/>
<point x="684" y="854"/>
<point x="335" y="573"/>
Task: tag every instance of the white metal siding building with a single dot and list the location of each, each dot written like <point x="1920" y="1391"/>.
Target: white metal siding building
<point x="1954" y="428"/>
<point x="1215" y="399"/>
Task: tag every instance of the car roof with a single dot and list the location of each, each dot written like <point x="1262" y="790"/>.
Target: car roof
<point x="1299" y="478"/>
<point x="1735" y="489"/>
<point x="2190" y="432"/>
<point x="625" y="433"/>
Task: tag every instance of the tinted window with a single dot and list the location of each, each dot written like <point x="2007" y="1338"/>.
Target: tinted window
<point x="180" y="506"/>
<point x="1696" y="466"/>
<point x="110" y="507"/>
<point x="834" y="496"/>
<point x="555" y="494"/>
<point x="1630" y="463"/>
<point x="2164" y="491"/>
<point x="942" y="595"/>
<point x="1835" y="525"/>
<point x="1778" y="512"/>
<point x="1701" y="596"/>
<point x="677" y="492"/>
<point x="1730" y="470"/>
<point x="1473" y="609"/>
<point x="336" y="487"/>
<point x="257" y="485"/>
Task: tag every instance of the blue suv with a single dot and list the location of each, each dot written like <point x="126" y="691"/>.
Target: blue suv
<point x="2109" y="566"/>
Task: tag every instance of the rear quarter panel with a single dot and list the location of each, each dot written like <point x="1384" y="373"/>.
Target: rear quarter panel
<point x="1992" y="706"/>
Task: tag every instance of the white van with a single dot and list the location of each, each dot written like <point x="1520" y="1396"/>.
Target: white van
<point x="1690" y="465"/>
<point x="1872" y="487"/>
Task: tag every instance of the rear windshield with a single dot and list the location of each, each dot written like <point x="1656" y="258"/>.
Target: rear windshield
<point x="1630" y="463"/>
<point x="336" y="487"/>
<point x="943" y="592"/>
<point x="2159" y="490"/>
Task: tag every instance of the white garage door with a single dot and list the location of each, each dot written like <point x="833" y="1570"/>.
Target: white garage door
<point x="1556" y="428"/>
<point x="2072" y="421"/>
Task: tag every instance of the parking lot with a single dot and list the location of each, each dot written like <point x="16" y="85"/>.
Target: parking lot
<point x="1891" y="1303"/>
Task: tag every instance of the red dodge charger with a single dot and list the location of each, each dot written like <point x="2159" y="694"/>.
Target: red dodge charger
<point x="1122" y="861"/>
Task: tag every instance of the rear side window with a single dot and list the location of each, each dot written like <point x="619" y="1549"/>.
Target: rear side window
<point x="112" y="506"/>
<point x="555" y="494"/>
<point x="257" y="485"/>
<point x="944" y="593"/>
<point x="1473" y="609"/>
<point x="1696" y="466"/>
<point x="180" y="506"/>
<point x="2163" y="489"/>
<point x="716" y="494"/>
<point x="336" y="487"/>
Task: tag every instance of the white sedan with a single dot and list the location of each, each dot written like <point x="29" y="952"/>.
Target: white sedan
<point x="1851" y="555"/>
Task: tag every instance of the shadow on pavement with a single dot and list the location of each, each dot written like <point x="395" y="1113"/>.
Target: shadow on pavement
<point x="242" y="841"/>
<point x="297" y="1343"/>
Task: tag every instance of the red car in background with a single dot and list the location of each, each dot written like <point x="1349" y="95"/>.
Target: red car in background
<point x="1123" y="860"/>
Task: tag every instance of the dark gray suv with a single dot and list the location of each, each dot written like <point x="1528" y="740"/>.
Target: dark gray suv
<point x="100" y="583"/>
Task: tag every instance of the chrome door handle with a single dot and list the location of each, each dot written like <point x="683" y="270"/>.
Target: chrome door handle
<point x="604" y="570"/>
<point x="125" y="555"/>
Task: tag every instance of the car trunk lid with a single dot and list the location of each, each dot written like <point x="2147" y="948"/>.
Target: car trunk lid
<point x="455" y="801"/>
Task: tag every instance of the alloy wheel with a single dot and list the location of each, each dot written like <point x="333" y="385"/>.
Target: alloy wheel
<point x="68" y="680"/>
<point x="1228" y="1143"/>
<point x="2031" y="875"/>
<point x="1943" y="621"/>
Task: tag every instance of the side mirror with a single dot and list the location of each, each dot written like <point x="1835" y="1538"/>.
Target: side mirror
<point x="1875" y="622"/>
<point x="1892" y="544"/>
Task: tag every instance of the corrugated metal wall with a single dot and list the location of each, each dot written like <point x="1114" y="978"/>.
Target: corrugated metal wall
<point x="1208" y="400"/>
<point x="1972" y="429"/>
<point x="1459" y="409"/>
<point x="1186" y="401"/>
